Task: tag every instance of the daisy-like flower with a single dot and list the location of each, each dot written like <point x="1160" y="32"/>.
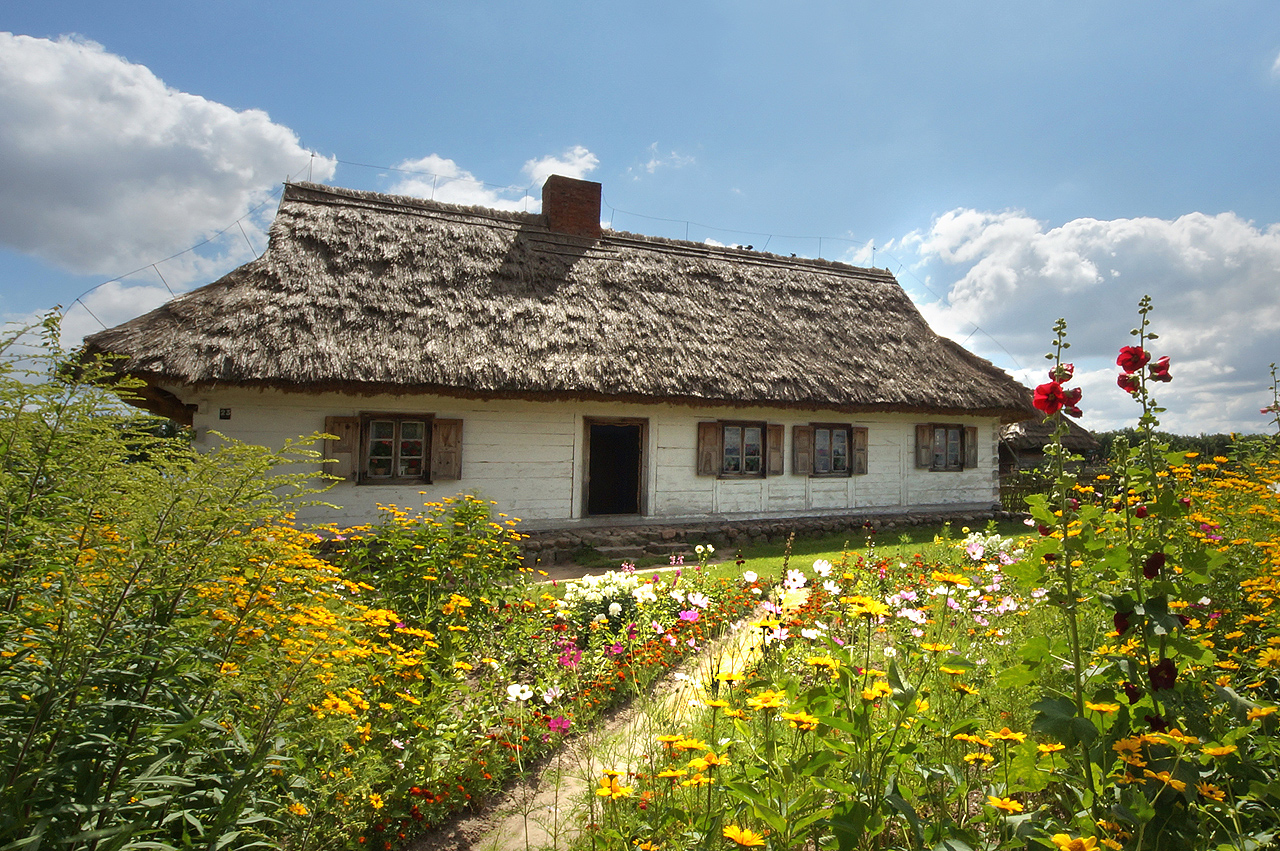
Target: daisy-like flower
<point x="876" y="691"/>
<point x="767" y="699"/>
<point x="1166" y="778"/>
<point x="971" y="739"/>
<point x="691" y="745"/>
<point x="1008" y="805"/>
<point x="1104" y="708"/>
<point x="1217" y="751"/>
<point x="957" y="579"/>
<point x="1064" y="842"/>
<point x="1210" y="791"/>
<point x="801" y="720"/>
<point x="1007" y="735"/>
<point x="1260" y="712"/>
<point x="935" y="647"/>
<point x="518" y="692"/>
<point x="743" y="837"/>
<point x="979" y="758"/>
<point x="672" y="774"/>
<point x="610" y="788"/>
<point x="1051" y="747"/>
<point x="964" y="688"/>
<point x="1270" y="658"/>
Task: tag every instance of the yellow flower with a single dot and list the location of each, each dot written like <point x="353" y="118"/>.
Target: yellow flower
<point x="975" y="758"/>
<point x="876" y="691"/>
<point x="767" y="699"/>
<point x="1008" y="805"/>
<point x="951" y="579"/>
<point x="801" y="720"/>
<point x="298" y="809"/>
<point x="933" y="647"/>
<point x="1219" y="750"/>
<point x="672" y="773"/>
<point x="964" y="688"/>
<point x="744" y="837"/>
<point x="610" y="788"/>
<point x="1067" y="843"/>
<point x="971" y="739"/>
<point x="1210" y="791"/>
<point x="375" y="801"/>
<point x="1166" y="778"/>
<point x="1260" y="712"/>
<point x="1270" y="658"/>
<point x="1105" y="708"/>
<point x="1052" y="747"/>
<point x="691" y="745"/>
<point x="1007" y="735"/>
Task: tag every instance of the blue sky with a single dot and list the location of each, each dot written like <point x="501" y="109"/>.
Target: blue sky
<point x="1011" y="162"/>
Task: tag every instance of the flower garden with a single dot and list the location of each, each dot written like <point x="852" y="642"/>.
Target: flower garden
<point x="180" y="667"/>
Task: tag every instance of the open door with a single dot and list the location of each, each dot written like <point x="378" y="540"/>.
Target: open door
<point x="614" y="480"/>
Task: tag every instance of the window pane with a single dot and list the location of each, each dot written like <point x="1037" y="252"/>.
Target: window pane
<point x="939" y="448"/>
<point x="732" y="449"/>
<point x="412" y="430"/>
<point x="953" y="448"/>
<point x="822" y="450"/>
<point x="381" y="448"/>
<point x="839" y="451"/>
<point x="752" y="451"/>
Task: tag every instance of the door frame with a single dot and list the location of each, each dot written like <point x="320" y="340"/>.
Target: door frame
<point x="642" y="477"/>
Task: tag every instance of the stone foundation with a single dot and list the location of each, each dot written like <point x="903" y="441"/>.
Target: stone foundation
<point x="554" y="546"/>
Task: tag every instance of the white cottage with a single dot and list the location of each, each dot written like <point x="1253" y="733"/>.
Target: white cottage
<point x="573" y="374"/>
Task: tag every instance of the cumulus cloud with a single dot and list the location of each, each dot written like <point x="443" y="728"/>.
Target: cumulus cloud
<point x="1212" y="280"/>
<point x="104" y="168"/>
<point x="440" y="179"/>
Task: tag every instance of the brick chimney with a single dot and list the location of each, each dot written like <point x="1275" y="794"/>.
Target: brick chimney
<point x="572" y="206"/>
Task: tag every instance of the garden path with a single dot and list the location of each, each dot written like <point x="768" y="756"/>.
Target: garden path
<point x="546" y="812"/>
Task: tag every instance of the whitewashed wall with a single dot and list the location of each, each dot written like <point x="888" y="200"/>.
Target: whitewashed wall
<point x="528" y="456"/>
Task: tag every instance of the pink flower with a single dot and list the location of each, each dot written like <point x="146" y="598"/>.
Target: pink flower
<point x="689" y="615"/>
<point x="1129" y="383"/>
<point x="1132" y="358"/>
<point x="1159" y="371"/>
<point x="559" y="724"/>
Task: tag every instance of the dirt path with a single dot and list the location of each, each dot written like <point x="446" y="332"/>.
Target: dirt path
<point x="546" y="812"/>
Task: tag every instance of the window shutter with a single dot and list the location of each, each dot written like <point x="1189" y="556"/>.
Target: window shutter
<point x="802" y="450"/>
<point x="859" y="451"/>
<point x="345" y="449"/>
<point x="777" y="434"/>
<point x="970" y="448"/>
<point x="709" y="450"/>
<point x="446" y="449"/>
<point x="924" y="445"/>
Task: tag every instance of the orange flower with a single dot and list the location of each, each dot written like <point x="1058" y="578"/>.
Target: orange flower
<point x="1008" y="805"/>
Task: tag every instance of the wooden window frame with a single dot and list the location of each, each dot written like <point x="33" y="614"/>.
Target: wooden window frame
<point x="936" y="458"/>
<point x="712" y="443"/>
<point x="805" y="441"/>
<point x="442" y="447"/>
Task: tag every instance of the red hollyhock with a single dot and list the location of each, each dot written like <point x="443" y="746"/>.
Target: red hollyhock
<point x="1132" y="358"/>
<point x="1049" y="397"/>
<point x="1062" y="372"/>
<point x="1071" y="402"/>
<point x="1129" y="384"/>
<point x="1153" y="565"/>
<point x="1159" y="371"/>
<point x="1163" y="674"/>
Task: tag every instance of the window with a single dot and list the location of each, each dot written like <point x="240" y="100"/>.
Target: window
<point x="392" y="448"/>
<point x="732" y="449"/>
<point x="825" y="449"/>
<point x="946" y="447"/>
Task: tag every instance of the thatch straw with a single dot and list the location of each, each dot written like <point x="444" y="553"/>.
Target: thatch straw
<point x="368" y="293"/>
<point x="1032" y="435"/>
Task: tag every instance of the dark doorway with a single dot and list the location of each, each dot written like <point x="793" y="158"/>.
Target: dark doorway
<point x="613" y="468"/>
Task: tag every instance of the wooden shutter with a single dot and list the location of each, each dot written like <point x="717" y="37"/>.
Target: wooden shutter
<point x="710" y="452"/>
<point x="924" y="445"/>
<point x="802" y="450"/>
<point x="777" y="434"/>
<point x="345" y="449"/>
<point x="859" y="451"/>
<point x="446" y="449"/>
<point x="970" y="447"/>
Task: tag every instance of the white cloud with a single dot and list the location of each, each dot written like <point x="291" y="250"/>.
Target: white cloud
<point x="1212" y="280"/>
<point x="657" y="160"/>
<point x="440" y="179"/>
<point x="104" y="168"/>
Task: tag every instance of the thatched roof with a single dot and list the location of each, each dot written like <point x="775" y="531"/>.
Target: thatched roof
<point x="1032" y="435"/>
<point x="368" y="293"/>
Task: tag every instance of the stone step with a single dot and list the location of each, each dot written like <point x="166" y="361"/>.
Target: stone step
<point x="621" y="553"/>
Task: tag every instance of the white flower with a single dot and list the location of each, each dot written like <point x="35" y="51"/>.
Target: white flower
<point x="697" y="598"/>
<point x="822" y="567"/>
<point x="890" y="652"/>
<point x="699" y="549"/>
<point x="677" y="595"/>
<point x="795" y="580"/>
<point x="710" y="549"/>
<point x="615" y="609"/>
<point x="600" y="618"/>
<point x="645" y="594"/>
<point x="811" y="634"/>
<point x="749" y="576"/>
<point x="831" y="586"/>
<point x="552" y="694"/>
<point x="518" y="692"/>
